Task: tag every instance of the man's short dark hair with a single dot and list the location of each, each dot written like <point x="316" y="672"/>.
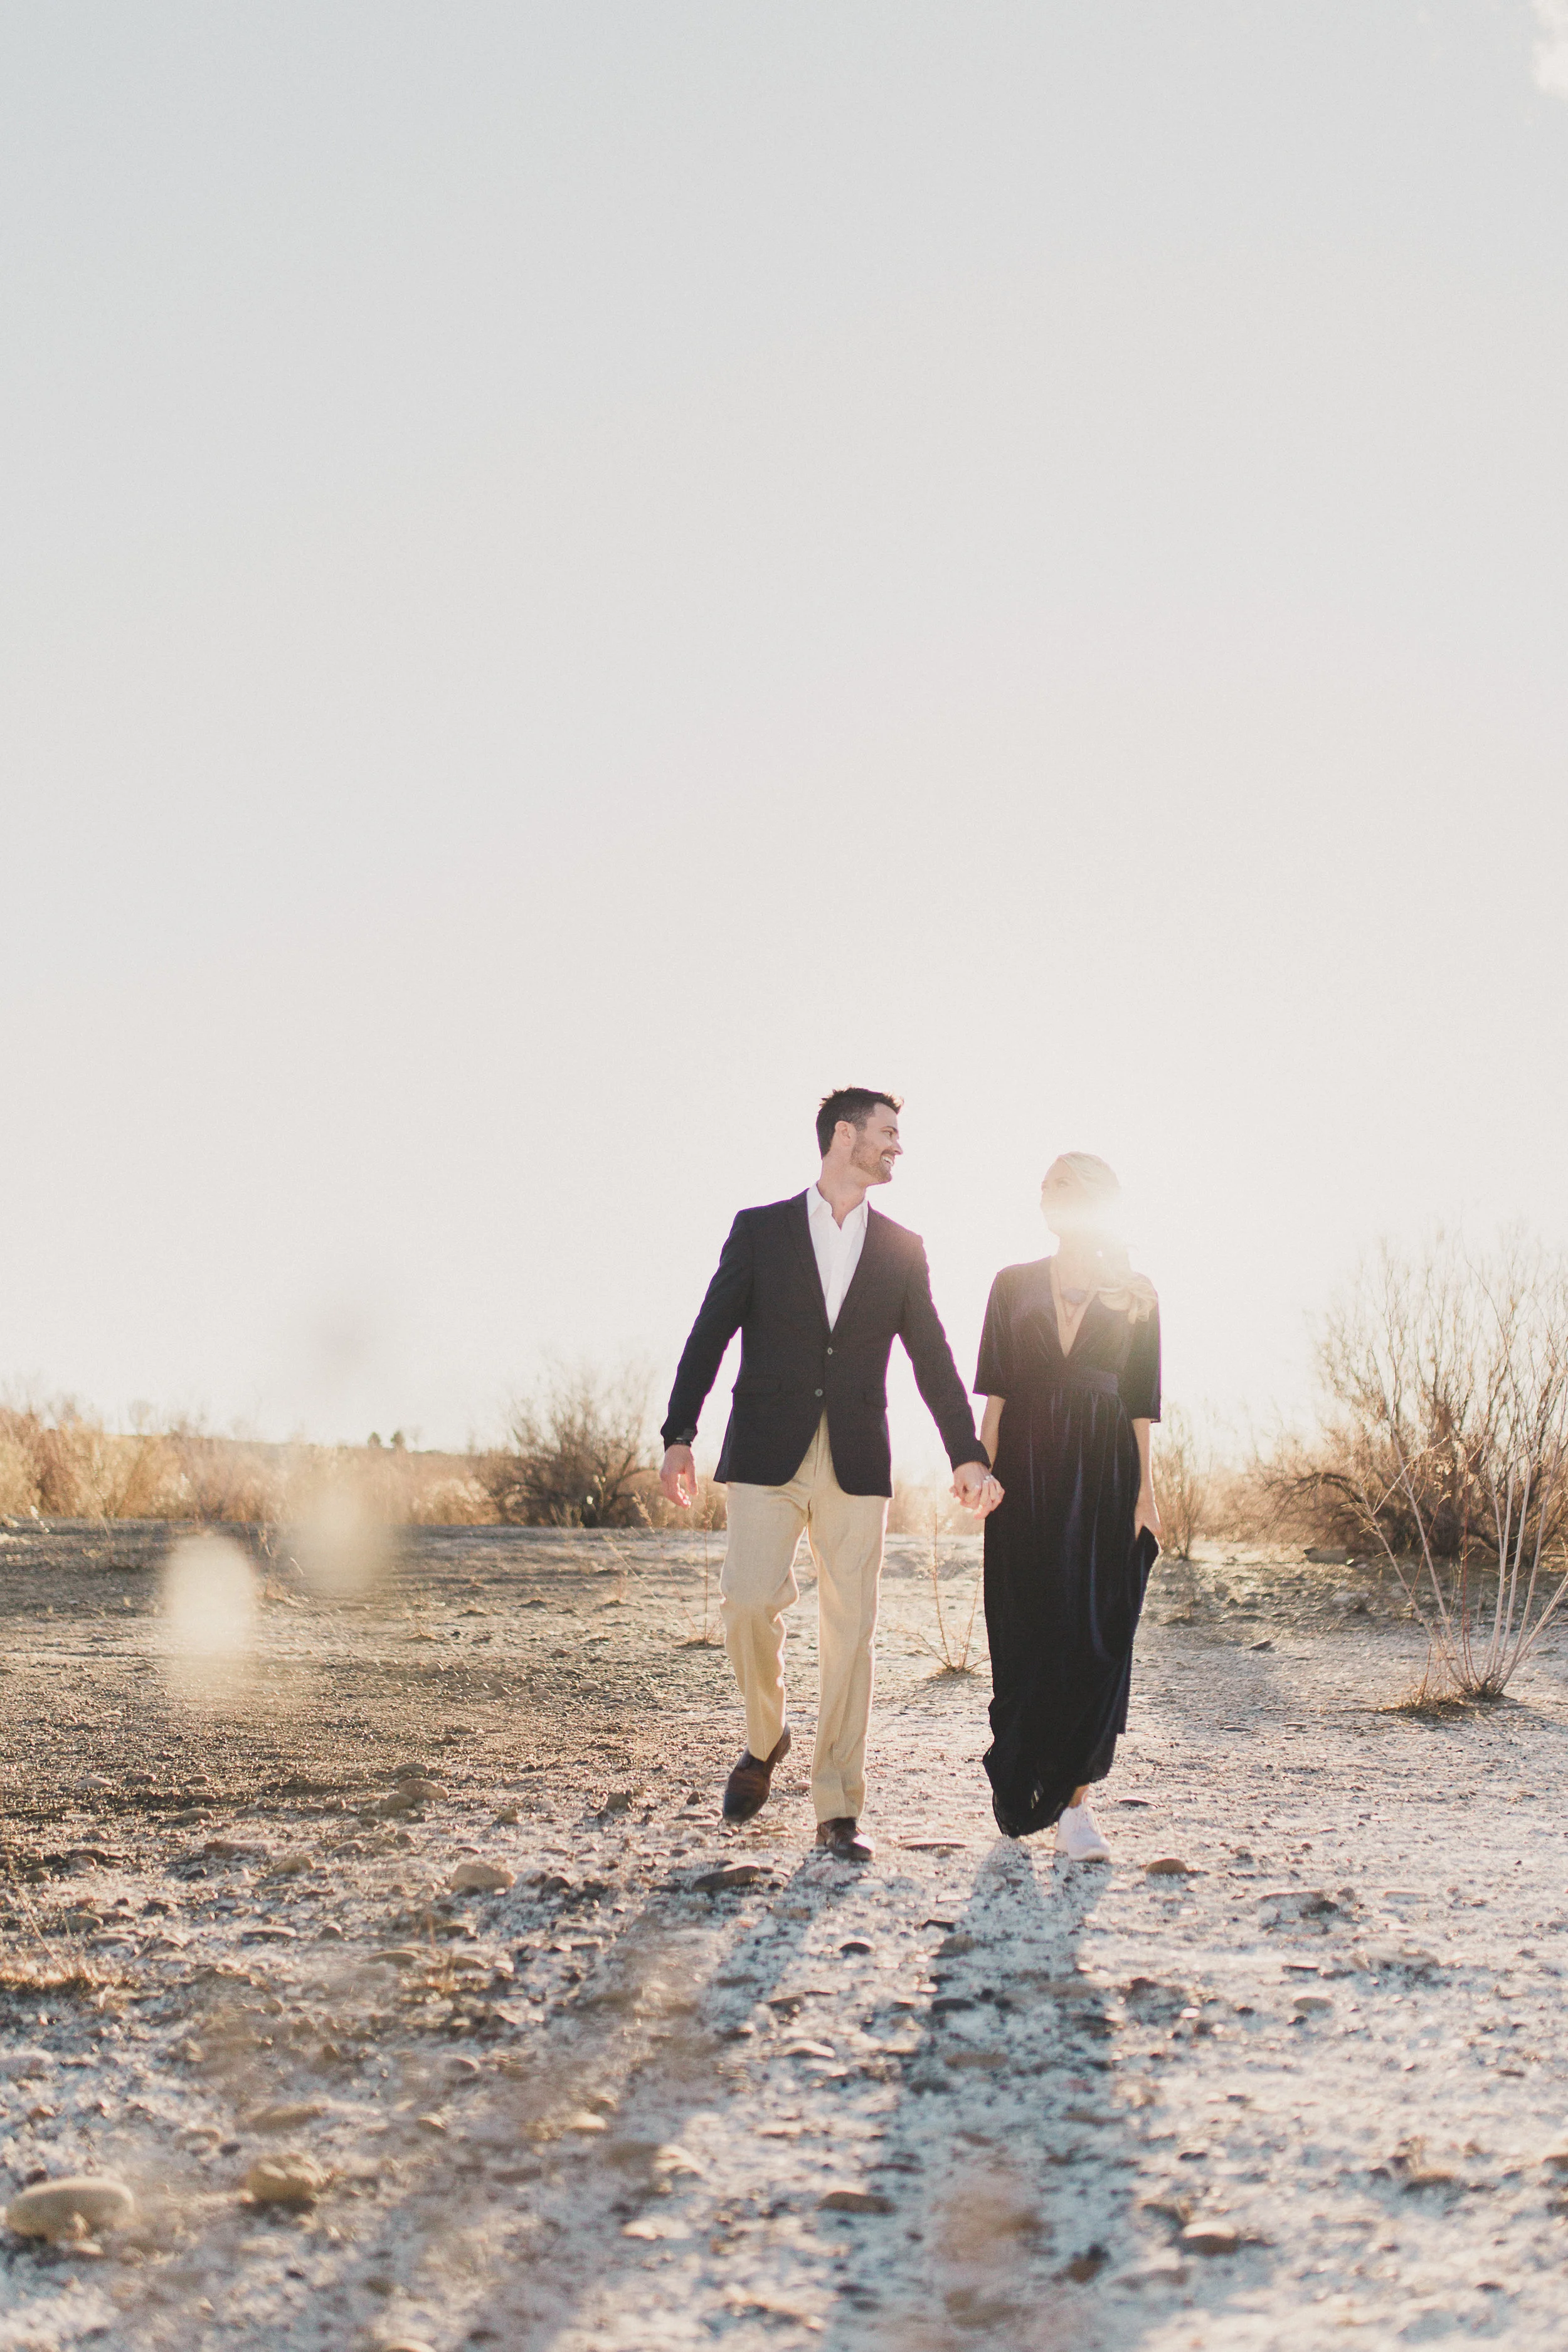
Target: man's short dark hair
<point x="854" y="1103"/>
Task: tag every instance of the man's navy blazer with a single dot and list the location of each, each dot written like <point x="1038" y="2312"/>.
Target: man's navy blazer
<point x="792" y="1368"/>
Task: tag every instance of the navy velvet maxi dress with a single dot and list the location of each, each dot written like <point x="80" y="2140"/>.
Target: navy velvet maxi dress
<point x="1065" y="1575"/>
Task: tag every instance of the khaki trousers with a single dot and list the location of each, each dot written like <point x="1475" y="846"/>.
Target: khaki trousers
<point x="845" y="1532"/>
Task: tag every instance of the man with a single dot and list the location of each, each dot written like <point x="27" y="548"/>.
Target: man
<point x="818" y="1286"/>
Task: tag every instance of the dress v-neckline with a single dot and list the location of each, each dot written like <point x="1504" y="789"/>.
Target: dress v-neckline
<point x="1063" y="1345"/>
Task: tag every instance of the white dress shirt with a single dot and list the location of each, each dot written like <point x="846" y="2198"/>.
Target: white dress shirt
<point x="837" y="1247"/>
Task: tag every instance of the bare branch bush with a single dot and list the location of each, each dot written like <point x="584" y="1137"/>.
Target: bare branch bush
<point x="951" y="1653"/>
<point x="228" y="1482"/>
<point x="1182" y="1472"/>
<point x="708" y="1516"/>
<point x="578" y="1452"/>
<point x="1446" y="1445"/>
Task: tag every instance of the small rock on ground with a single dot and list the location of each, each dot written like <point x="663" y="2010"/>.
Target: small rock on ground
<point x="479" y="1878"/>
<point x="62" y="2209"/>
<point x="290" y="2180"/>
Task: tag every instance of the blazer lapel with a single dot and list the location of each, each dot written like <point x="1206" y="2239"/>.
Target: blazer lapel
<point x="800" y="1232"/>
<point x="868" y="1249"/>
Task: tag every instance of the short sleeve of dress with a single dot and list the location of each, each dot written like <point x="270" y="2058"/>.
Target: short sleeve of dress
<point x="1140" y="1375"/>
<point x="994" y="1373"/>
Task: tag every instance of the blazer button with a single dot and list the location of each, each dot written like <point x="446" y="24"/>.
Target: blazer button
<point x="818" y="1391"/>
<point x="830" y="1352"/>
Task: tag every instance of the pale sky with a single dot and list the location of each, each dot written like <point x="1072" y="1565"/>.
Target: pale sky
<point x="574" y="576"/>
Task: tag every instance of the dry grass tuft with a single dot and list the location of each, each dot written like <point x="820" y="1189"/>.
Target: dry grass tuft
<point x="707" y="1516"/>
<point x="70" y="1979"/>
<point x="59" y="1464"/>
<point x="1438" y="1697"/>
<point x="950" y="1654"/>
<point x="1426" y="1703"/>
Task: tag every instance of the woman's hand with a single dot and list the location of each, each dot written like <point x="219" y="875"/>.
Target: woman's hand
<point x="984" y="1501"/>
<point x="1147" y="1513"/>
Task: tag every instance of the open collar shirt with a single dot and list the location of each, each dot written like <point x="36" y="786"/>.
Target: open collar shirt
<point x="837" y="1247"/>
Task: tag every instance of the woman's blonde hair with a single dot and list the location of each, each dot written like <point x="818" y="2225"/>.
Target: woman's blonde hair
<point x="1113" y="1280"/>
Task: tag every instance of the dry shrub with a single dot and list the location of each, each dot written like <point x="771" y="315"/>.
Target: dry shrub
<point x="229" y="1481"/>
<point x="1434" y="1697"/>
<point x="1277" y="1496"/>
<point x="1183" y="1476"/>
<point x="579" y="1453"/>
<point x="1444" y="1444"/>
<point x="709" y="1634"/>
<point x="706" y="1516"/>
<point x="1420" y="1361"/>
<point x="708" y="1511"/>
<point x="453" y="1501"/>
<point x="950" y="1649"/>
<point x="712" y="1508"/>
<point x="917" y="1505"/>
<point x="1237" y="1505"/>
<point x="388" y="1485"/>
<point x="58" y="1463"/>
<point x="370" y="1486"/>
<point x="18" y="1482"/>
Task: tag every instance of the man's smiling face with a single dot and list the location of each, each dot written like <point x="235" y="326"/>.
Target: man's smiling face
<point x="876" y="1146"/>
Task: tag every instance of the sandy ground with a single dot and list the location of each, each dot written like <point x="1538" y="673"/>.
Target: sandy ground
<point x="604" y="2107"/>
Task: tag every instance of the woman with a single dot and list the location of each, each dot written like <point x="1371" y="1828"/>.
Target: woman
<point x="1069" y="1369"/>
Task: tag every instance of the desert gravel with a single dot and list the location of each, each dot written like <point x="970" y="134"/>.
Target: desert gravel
<point x="394" y="1962"/>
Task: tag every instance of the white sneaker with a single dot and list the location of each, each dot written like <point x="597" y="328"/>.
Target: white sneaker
<point x="1079" y="1837"/>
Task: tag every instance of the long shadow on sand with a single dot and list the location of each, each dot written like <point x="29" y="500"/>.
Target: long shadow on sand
<point x="655" y="2030"/>
<point x="1012" y="2162"/>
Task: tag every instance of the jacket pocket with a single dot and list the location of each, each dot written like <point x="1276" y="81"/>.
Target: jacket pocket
<point x="756" y="1384"/>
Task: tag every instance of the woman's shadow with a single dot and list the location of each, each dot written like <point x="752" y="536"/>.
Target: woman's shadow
<point x="1008" y="2158"/>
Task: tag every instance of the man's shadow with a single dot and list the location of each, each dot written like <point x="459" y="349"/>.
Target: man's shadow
<point x="693" y="2024"/>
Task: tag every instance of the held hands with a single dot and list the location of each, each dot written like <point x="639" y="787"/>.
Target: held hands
<point x="1147" y="1513"/>
<point x="677" y="1476"/>
<point x="976" y="1489"/>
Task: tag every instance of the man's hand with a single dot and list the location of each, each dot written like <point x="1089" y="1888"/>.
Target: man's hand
<point x="677" y="1476"/>
<point x="975" y="1489"/>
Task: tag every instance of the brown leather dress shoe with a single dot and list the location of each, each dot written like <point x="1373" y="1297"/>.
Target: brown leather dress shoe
<point x="844" y="1841"/>
<point x="746" y="1789"/>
